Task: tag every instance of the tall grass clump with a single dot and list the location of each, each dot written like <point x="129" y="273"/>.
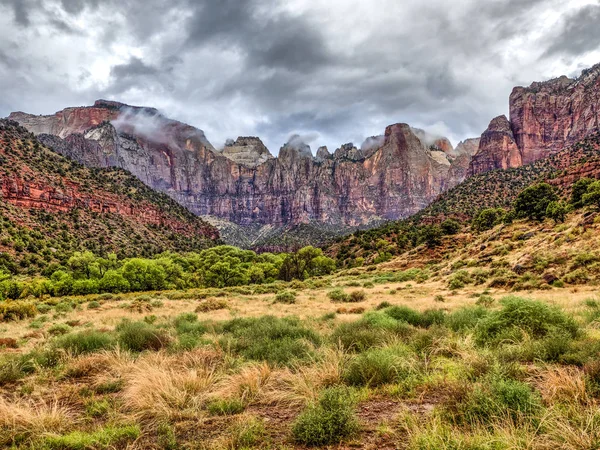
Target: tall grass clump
<point x="494" y="399"/>
<point x="379" y="366"/>
<point x="373" y="329"/>
<point x="140" y="336"/>
<point x="518" y="316"/>
<point x="267" y="338"/>
<point x="88" y="341"/>
<point x="329" y="421"/>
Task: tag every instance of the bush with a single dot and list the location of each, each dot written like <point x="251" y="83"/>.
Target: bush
<point x="59" y="329"/>
<point x="140" y="336"/>
<point x="212" y="304"/>
<point x="357" y="296"/>
<point x="450" y="227"/>
<point x="533" y="201"/>
<point x="378" y="366"/>
<point x="459" y="279"/>
<point x="93" y="305"/>
<point x="371" y="330"/>
<point x="519" y="315"/>
<point x="286" y="297"/>
<point x="494" y="399"/>
<point x="85" y="342"/>
<point x="328" y="422"/>
<point x="338" y="295"/>
<point x="580" y="188"/>
<point x="277" y="341"/>
<point x="486" y="219"/>
<point x="16" y="310"/>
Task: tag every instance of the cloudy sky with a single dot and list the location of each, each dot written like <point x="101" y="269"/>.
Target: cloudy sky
<point x="333" y="71"/>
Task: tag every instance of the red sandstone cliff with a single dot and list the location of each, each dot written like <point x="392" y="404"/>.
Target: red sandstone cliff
<point x="395" y="177"/>
<point x="544" y="118"/>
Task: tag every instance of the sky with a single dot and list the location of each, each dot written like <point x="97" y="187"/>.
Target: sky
<point x="332" y="71"/>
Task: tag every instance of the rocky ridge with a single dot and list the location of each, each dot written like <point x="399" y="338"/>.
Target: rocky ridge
<point x="395" y="176"/>
<point x="544" y="118"/>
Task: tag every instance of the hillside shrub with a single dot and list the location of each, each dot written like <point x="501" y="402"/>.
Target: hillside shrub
<point x="140" y="336"/>
<point x="338" y="295"/>
<point x="267" y="338"/>
<point x="286" y="297"/>
<point x="88" y="341"/>
<point x="328" y="422"/>
<point x="518" y="316"/>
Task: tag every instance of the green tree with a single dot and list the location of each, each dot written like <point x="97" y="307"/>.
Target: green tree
<point x="592" y="196"/>
<point x="450" y="227"/>
<point x="431" y="235"/>
<point x="557" y="211"/>
<point x="114" y="282"/>
<point x="580" y="188"/>
<point x="487" y="219"/>
<point x="534" y="200"/>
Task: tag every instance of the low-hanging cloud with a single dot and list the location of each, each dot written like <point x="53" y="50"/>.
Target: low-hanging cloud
<point x="344" y="69"/>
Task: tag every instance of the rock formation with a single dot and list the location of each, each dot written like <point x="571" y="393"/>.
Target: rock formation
<point x="392" y="177"/>
<point x="544" y="118"/>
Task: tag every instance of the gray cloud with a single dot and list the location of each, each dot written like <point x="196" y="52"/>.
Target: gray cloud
<point x="580" y="33"/>
<point x="342" y="70"/>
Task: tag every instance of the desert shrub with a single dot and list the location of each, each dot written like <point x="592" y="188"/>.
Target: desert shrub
<point x="519" y="315"/>
<point x="226" y="407"/>
<point x="140" y="336"/>
<point x="329" y="421"/>
<point x="405" y="314"/>
<point x="357" y="296"/>
<point x="485" y="300"/>
<point x="245" y="433"/>
<point x="286" y="297"/>
<point x="16" y="310"/>
<point x="383" y="305"/>
<point x="93" y="305"/>
<point x="85" y="342"/>
<point x="212" y="304"/>
<point x="577" y="276"/>
<point x="63" y="307"/>
<point x="278" y="341"/>
<point x="415" y="318"/>
<point x="59" y="329"/>
<point x="465" y="318"/>
<point x="13" y="368"/>
<point x="370" y="331"/>
<point x="459" y="279"/>
<point x="187" y="324"/>
<point x="450" y="227"/>
<point x="338" y="295"/>
<point x="496" y="398"/>
<point x="378" y="366"/>
<point x="43" y="308"/>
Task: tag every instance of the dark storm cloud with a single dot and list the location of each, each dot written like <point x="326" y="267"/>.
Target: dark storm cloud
<point x="279" y="40"/>
<point x="580" y="33"/>
<point x="271" y="68"/>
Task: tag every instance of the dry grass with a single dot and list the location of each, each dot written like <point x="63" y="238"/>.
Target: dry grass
<point x="32" y="420"/>
<point x="562" y="385"/>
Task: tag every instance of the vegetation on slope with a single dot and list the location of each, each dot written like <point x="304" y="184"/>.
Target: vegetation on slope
<point x="33" y="238"/>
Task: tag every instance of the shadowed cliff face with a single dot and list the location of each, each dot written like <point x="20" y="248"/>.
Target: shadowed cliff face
<point x="244" y="184"/>
<point x="544" y="118"/>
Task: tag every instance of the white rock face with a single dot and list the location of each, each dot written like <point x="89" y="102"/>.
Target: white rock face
<point x="247" y="151"/>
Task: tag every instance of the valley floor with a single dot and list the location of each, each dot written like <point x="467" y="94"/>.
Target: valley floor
<point x="441" y="349"/>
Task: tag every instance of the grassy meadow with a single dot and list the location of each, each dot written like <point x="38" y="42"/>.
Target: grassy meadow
<point x="465" y="346"/>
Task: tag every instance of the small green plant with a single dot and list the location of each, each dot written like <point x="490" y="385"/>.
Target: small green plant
<point x="328" y="422"/>
<point x="140" y="336"/>
<point x="286" y="297"/>
<point x="104" y="438"/>
<point x="338" y="295"/>
<point x="226" y="407"/>
<point x="85" y="342"/>
<point x="246" y="432"/>
<point x="357" y="296"/>
<point x="93" y="305"/>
